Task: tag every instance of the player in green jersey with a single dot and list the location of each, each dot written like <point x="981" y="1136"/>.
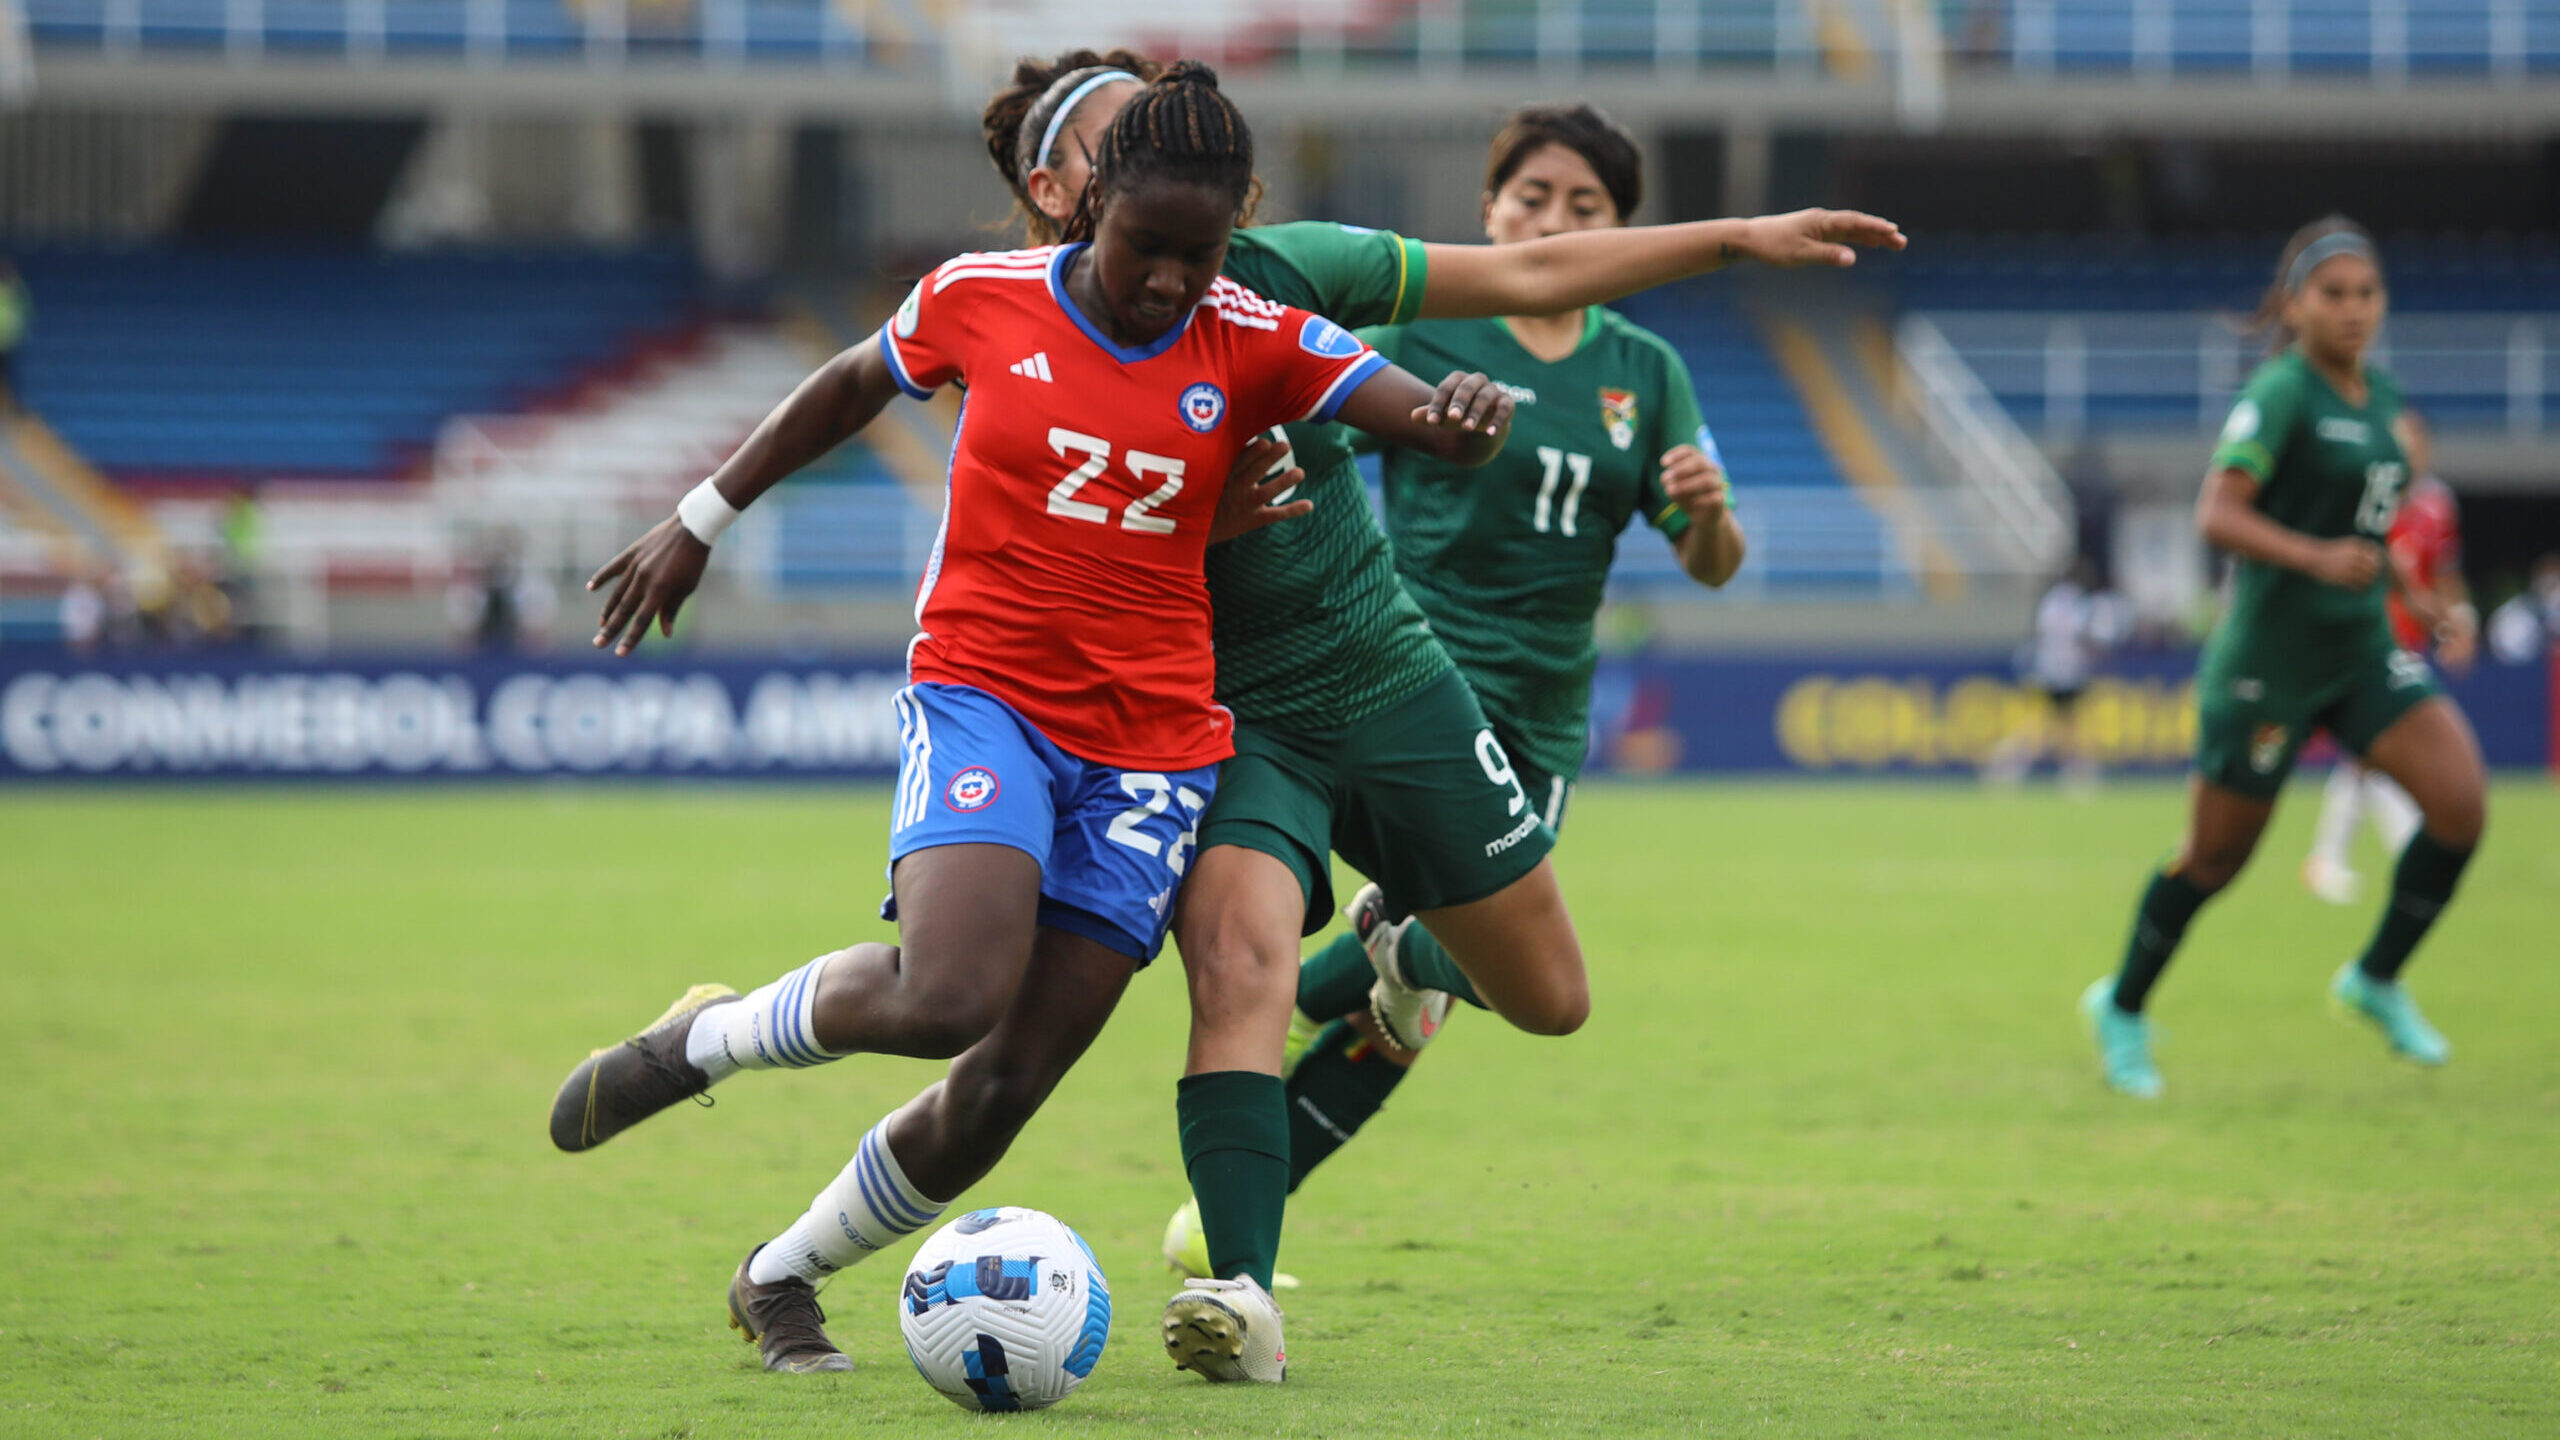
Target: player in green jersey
<point x="1509" y="567"/>
<point x="2301" y="489"/>
<point x="1354" y="732"/>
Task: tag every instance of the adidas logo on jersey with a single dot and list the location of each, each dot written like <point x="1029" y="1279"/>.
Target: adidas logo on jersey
<point x="1037" y="367"/>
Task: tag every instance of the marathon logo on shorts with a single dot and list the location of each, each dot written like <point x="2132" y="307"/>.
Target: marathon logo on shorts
<point x="1519" y="832"/>
<point x="1203" y="406"/>
<point x="972" y="789"/>
<point x="2266" y="748"/>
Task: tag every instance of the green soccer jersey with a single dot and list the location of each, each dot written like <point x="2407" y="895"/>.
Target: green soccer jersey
<point x="2325" y="468"/>
<point x="1313" y="629"/>
<point x="1509" y="561"/>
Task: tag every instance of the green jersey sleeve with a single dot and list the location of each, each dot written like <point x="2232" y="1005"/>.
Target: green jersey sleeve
<point x="2262" y="421"/>
<point x="1681" y="425"/>
<point x="1361" y="277"/>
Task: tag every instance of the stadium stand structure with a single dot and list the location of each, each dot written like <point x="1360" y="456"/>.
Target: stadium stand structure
<point x="2199" y="38"/>
<point x="2091" y="336"/>
<point x="232" y="367"/>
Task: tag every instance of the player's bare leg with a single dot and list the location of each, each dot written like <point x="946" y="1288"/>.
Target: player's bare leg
<point x="1519" y="948"/>
<point x="949" y="1137"/>
<point x="1236" y="922"/>
<point x="2434" y="756"/>
<point x="911" y="1165"/>
<point x="967" y="916"/>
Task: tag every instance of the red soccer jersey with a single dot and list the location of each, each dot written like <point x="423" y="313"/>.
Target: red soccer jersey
<point x="2426" y="541"/>
<point x="1084" y="474"/>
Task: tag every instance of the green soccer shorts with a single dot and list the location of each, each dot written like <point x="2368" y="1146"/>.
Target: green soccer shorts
<point x="1420" y="797"/>
<point x="2249" y="732"/>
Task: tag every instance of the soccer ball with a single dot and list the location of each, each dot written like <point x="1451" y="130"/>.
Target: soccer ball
<point x="1005" y="1309"/>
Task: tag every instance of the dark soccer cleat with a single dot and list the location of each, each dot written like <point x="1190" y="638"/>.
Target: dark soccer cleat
<point x="621" y="1085"/>
<point x="783" y="1321"/>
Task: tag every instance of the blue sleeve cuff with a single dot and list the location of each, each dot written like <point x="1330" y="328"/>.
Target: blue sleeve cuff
<point x="1343" y="384"/>
<point x="898" y="366"/>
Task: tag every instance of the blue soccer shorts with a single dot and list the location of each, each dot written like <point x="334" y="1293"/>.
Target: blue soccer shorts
<point x="1112" y="844"/>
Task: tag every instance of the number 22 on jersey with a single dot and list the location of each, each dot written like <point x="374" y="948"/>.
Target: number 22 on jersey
<point x="1140" y="516"/>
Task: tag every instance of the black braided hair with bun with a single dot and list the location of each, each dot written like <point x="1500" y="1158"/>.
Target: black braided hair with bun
<point x="1182" y="128"/>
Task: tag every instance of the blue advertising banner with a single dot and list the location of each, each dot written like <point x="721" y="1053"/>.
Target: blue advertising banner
<point x="245" y="715"/>
<point x="1943" y="715"/>
<point x="248" y="715"/>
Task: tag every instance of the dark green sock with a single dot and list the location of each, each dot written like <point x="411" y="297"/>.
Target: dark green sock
<point x="1332" y="1094"/>
<point x="2167" y="905"/>
<point x="1335" y="980"/>
<point x="1429" y="966"/>
<point x="1235" y="1146"/>
<point x="2420" y="885"/>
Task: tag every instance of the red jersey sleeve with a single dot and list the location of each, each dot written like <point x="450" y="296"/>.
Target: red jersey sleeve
<point x="1297" y="365"/>
<point x="926" y="342"/>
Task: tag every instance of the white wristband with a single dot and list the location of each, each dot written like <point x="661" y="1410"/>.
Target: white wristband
<point x="705" y="512"/>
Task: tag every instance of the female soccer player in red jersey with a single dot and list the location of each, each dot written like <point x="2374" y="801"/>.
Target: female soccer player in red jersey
<point x="1060" y="737"/>
<point x="1354" y="731"/>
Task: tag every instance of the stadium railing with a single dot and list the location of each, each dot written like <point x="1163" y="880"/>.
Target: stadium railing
<point x="2001" y="473"/>
<point x="2067" y="372"/>
<point x="607" y="33"/>
<point x="2389" y="41"/>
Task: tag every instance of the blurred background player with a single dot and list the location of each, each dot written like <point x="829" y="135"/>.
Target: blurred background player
<point x="2302" y="489"/>
<point x="1354" y="732"/>
<point x="2426" y="559"/>
<point x="2078" y="620"/>
<point x="2525" y="628"/>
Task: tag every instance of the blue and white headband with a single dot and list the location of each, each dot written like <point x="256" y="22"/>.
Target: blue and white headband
<point x="1092" y="81"/>
<point x="2328" y="247"/>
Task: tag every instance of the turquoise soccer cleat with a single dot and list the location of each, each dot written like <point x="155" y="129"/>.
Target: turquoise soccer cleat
<point x="2124" y="1042"/>
<point x="2392" y="1011"/>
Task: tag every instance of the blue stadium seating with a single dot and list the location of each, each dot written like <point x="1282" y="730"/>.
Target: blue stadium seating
<point x="255" y="364"/>
<point x="2050" y="272"/>
<point x="2148" y="311"/>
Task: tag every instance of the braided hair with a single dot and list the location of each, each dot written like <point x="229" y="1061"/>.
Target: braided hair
<point x="1020" y="114"/>
<point x="1181" y="128"/>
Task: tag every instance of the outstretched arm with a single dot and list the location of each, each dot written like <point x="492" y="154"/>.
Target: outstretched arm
<point x="1463" y="421"/>
<point x="660" y="569"/>
<point x="1592" y="267"/>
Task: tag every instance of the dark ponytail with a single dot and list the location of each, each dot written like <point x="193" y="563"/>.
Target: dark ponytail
<point x="1183" y="128"/>
<point x="1020" y="113"/>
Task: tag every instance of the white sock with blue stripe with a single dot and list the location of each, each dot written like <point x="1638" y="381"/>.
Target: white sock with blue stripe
<point x="867" y="1208"/>
<point x="773" y="1029"/>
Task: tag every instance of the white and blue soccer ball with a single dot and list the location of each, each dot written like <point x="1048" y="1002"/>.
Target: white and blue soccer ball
<point x="1005" y="1309"/>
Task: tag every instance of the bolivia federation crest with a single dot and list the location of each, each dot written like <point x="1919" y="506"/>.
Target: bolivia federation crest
<point x="1618" y="412"/>
<point x="2266" y="748"/>
<point x="1203" y="406"/>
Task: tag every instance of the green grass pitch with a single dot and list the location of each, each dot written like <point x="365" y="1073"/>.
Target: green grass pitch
<point x="1830" y="1159"/>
